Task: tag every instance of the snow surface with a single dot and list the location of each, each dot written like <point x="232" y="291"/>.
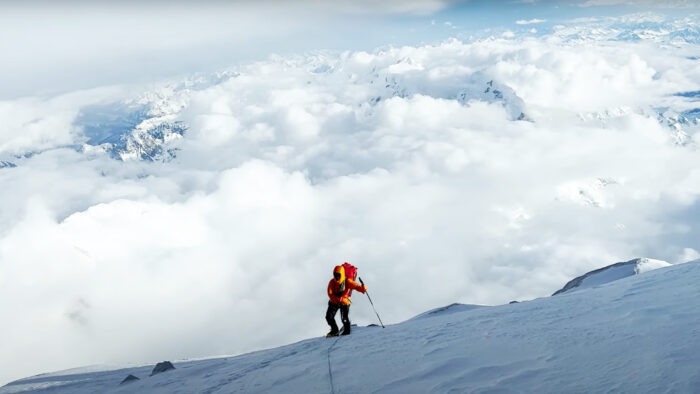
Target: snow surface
<point x="640" y="334"/>
<point x="612" y="273"/>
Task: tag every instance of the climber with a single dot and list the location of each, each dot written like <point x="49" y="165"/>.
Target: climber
<point x="339" y="291"/>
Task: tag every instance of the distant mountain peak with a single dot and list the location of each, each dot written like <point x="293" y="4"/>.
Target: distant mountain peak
<point x="612" y="273"/>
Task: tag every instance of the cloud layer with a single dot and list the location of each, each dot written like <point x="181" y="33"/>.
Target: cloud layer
<point x="474" y="172"/>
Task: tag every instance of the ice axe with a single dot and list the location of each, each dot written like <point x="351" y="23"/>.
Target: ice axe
<point x="370" y="301"/>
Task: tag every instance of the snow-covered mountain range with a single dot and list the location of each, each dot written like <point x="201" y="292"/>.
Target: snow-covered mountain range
<point x="637" y="27"/>
<point x="149" y="126"/>
<point x="634" y="334"/>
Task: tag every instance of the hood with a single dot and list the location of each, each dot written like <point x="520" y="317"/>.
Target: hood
<point x="341" y="270"/>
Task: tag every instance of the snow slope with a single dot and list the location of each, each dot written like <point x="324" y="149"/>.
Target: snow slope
<point x="640" y="334"/>
<point x="612" y="273"/>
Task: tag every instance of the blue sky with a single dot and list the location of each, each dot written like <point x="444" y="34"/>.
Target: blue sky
<point x="482" y="18"/>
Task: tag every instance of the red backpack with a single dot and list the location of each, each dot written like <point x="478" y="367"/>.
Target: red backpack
<point x="350" y="271"/>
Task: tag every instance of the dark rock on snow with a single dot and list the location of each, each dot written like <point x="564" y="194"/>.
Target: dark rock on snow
<point x="129" y="379"/>
<point x="162" y="367"/>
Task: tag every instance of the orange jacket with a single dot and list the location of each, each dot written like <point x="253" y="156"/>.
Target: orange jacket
<point x="339" y="290"/>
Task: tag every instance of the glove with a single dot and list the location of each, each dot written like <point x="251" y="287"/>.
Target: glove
<point x="345" y="301"/>
<point x="364" y="288"/>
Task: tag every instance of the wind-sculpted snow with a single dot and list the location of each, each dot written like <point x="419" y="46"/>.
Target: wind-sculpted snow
<point x="452" y="308"/>
<point x="636" y="335"/>
<point x="612" y="273"/>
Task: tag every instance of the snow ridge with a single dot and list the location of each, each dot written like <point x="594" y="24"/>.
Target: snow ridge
<point x="585" y="342"/>
<point x="612" y="273"/>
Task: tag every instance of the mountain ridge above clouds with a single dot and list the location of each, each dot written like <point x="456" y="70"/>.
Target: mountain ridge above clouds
<point x="637" y="27"/>
<point x="146" y="128"/>
<point x="533" y="346"/>
<point x="401" y="72"/>
<point x="150" y="127"/>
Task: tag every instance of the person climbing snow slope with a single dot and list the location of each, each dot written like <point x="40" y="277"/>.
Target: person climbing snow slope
<point x="339" y="291"/>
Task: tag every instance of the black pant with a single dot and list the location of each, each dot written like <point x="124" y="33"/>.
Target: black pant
<point x="344" y="312"/>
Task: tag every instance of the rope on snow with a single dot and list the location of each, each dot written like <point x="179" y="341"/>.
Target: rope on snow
<point x="330" y="373"/>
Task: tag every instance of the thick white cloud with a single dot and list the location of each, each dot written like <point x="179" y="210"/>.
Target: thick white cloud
<point x="36" y="123"/>
<point x="403" y="161"/>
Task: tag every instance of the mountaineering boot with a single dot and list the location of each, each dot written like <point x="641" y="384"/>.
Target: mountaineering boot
<point x="332" y="334"/>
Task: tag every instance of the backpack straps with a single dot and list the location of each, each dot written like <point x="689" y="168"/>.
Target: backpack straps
<point x="341" y="289"/>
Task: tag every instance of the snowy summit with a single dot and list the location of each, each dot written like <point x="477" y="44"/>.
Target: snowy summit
<point x="612" y="273"/>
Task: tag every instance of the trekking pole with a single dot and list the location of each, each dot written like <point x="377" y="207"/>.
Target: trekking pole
<point x="370" y="301"/>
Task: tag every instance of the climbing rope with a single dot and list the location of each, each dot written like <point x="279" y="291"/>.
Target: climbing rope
<point x="330" y="373"/>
